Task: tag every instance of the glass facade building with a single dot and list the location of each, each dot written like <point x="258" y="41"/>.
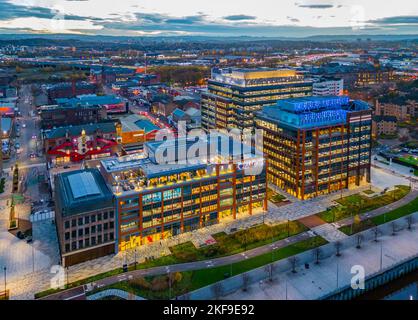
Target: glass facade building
<point x="234" y="94"/>
<point x="154" y="201"/>
<point x="316" y="145"/>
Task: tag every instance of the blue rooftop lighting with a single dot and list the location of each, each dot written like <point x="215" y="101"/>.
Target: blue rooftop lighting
<point x="309" y="112"/>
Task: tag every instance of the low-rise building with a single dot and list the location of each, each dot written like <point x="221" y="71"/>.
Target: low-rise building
<point x="82" y="142"/>
<point x="133" y="131"/>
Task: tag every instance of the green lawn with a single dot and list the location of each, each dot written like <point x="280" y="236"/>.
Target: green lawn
<point x="358" y="203"/>
<point x="192" y="280"/>
<point x="409" y="208"/>
<point x="237" y="242"/>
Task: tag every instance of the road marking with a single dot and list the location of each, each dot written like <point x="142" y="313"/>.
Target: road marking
<point x="79" y="295"/>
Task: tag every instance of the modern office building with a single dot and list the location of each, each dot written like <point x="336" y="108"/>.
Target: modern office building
<point x="234" y="94"/>
<point x="316" y="145"/>
<point x="85" y="216"/>
<point x="154" y="200"/>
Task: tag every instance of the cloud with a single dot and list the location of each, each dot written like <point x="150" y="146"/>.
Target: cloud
<point x="396" y="20"/>
<point x="239" y="17"/>
<point x="292" y="19"/>
<point x="314" y="6"/>
<point x="185" y="20"/>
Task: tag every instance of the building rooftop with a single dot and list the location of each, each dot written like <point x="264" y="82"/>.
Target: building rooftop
<point x="136" y="122"/>
<point x="132" y="173"/>
<point x="311" y="112"/>
<point x="82" y="191"/>
<point x="73" y="131"/>
<point x="255" y="76"/>
<point x="90" y="99"/>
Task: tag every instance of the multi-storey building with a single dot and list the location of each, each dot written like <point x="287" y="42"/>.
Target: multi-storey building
<point x="66" y="115"/>
<point x="386" y="125"/>
<point x="328" y="87"/>
<point x="316" y="145"/>
<point x="154" y="200"/>
<point x="68" y="90"/>
<point x="85" y="216"/>
<point x="234" y="94"/>
<point x="402" y="112"/>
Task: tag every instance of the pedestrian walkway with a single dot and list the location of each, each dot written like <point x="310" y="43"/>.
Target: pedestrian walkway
<point x="329" y="232"/>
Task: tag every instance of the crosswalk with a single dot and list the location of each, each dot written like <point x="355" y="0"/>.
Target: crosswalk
<point x="329" y="232"/>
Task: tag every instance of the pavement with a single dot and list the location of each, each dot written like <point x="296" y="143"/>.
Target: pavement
<point x="333" y="271"/>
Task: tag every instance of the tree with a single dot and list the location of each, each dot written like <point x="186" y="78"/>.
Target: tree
<point x="338" y="248"/>
<point x="409" y="220"/>
<point x="217" y="290"/>
<point x="245" y="281"/>
<point x="359" y="240"/>
<point x="293" y="261"/>
<point x="357" y="221"/>
<point x="393" y="224"/>
<point x="270" y="271"/>
<point x="317" y="254"/>
<point x="376" y="233"/>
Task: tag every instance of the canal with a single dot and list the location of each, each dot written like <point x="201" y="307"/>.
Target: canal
<point x="403" y="288"/>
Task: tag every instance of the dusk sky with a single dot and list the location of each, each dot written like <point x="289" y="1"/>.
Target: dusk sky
<point x="292" y="18"/>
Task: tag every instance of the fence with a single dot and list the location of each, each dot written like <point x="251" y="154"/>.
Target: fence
<point x="40" y="216"/>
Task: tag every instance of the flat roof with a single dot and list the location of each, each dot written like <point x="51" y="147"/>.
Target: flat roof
<point x="312" y="112"/>
<point x="81" y="191"/>
<point x="136" y="122"/>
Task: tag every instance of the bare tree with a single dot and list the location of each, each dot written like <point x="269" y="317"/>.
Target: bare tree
<point x="338" y="246"/>
<point x="217" y="290"/>
<point x="376" y="233"/>
<point x="293" y="261"/>
<point x="393" y="224"/>
<point x="409" y="220"/>
<point x="317" y="254"/>
<point x="269" y="269"/>
<point x="359" y="241"/>
<point x="245" y="281"/>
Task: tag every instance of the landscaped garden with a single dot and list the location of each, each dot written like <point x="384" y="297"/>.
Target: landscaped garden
<point x="358" y="203"/>
<point x="226" y="245"/>
<point x="237" y="242"/>
<point x="400" y="212"/>
<point x="158" y="287"/>
<point x="275" y="197"/>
